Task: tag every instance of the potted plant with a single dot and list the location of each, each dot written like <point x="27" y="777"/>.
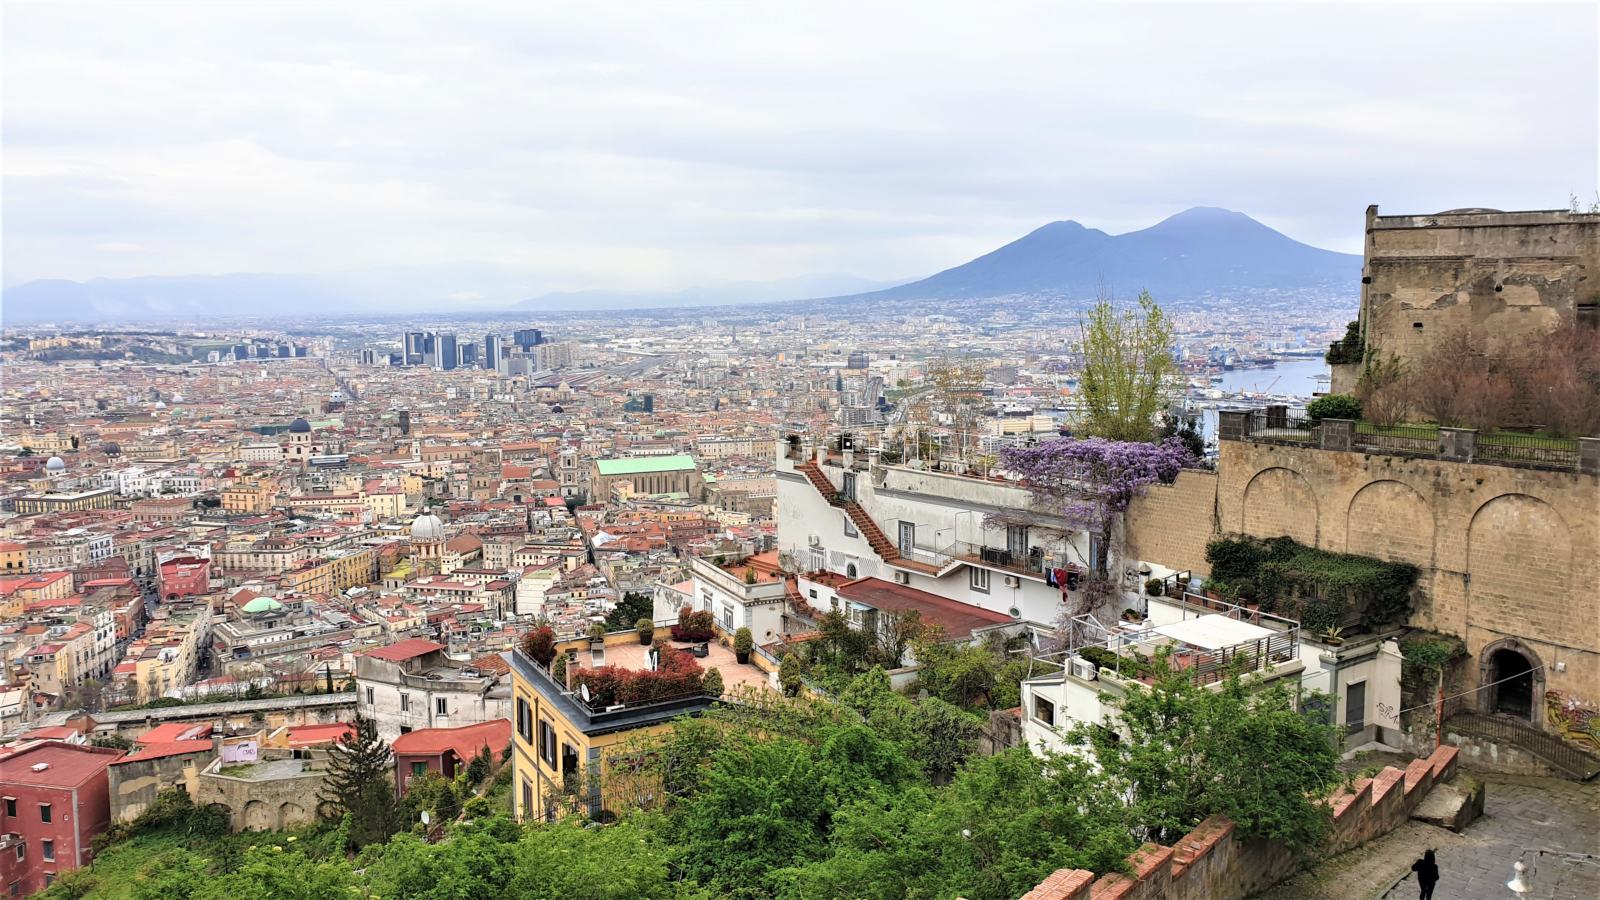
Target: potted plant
<point x="1153" y="587"/>
<point x="1333" y="636"/>
<point x="647" y="631"/>
<point x="743" y="643"/>
<point x="597" y="634"/>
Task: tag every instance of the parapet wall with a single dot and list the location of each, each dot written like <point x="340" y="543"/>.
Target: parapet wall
<point x="1213" y="861"/>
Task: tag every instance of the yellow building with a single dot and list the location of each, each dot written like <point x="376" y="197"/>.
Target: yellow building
<point x="334" y="573"/>
<point x="566" y="750"/>
<point x="51" y="503"/>
<point x="247" y="496"/>
<point x="13" y="557"/>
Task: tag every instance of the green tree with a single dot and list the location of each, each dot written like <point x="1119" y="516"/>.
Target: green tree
<point x="789" y="675"/>
<point x="633" y="606"/>
<point x="711" y="682"/>
<point x="1129" y="375"/>
<point x="627" y="859"/>
<point x="1181" y="752"/>
<point x="358" y="784"/>
<point x="473" y="862"/>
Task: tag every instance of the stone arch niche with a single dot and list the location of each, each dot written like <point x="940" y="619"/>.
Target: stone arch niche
<point x="291" y="815"/>
<point x="1280" y="501"/>
<point x="1511" y="678"/>
<point x="1519" y="563"/>
<point x="1389" y="520"/>
<point x="257" y="817"/>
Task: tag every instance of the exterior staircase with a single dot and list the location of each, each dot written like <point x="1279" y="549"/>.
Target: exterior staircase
<point x="869" y="529"/>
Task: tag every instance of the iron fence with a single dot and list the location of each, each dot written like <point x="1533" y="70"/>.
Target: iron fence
<point x="1461" y="715"/>
<point x="1531" y="449"/>
<point x="1420" y="440"/>
<point x="1276" y="424"/>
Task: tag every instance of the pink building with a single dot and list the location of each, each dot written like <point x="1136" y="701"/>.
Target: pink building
<point x="185" y="576"/>
<point x="56" y="798"/>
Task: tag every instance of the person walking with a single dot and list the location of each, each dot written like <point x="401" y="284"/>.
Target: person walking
<point x="1427" y="869"/>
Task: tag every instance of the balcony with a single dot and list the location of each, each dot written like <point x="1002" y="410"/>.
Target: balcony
<point x="1031" y="565"/>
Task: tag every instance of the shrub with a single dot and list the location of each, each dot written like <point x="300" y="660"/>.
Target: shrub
<point x="743" y="641"/>
<point x="712" y="683"/>
<point x="789" y="675"/>
<point x="678" y="676"/>
<point x="597" y="632"/>
<point x="1153" y="587"/>
<point x="1346" y="349"/>
<point x="540" y="645"/>
<point x="558" y="669"/>
<point x="694" y="627"/>
<point x="1333" y="406"/>
<point x="1319" y="588"/>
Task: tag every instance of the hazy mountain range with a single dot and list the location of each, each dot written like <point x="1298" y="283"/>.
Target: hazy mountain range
<point x="1202" y="251"/>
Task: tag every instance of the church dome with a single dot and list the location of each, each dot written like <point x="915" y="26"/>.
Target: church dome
<point x="161" y="404"/>
<point x="427" y="527"/>
<point x="299" y="426"/>
<point x="55" y="464"/>
<point x="262" y="604"/>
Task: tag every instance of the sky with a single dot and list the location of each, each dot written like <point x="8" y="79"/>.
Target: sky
<point x="641" y="146"/>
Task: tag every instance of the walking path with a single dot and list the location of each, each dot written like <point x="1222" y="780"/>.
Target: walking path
<point x="1519" y="813"/>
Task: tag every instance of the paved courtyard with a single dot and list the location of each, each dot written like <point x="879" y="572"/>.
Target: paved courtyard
<point x="1519" y="813"/>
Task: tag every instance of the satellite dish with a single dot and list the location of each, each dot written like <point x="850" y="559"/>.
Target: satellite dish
<point x="583" y="691"/>
<point x="425" y="817"/>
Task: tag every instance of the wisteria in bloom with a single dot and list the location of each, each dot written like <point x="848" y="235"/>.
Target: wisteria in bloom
<point x="1088" y="481"/>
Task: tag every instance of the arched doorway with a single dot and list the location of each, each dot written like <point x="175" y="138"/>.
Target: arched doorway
<point x="1513" y="681"/>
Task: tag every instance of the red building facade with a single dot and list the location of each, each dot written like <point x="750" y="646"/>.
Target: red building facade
<point x="54" y="798"/>
<point x="185" y="576"/>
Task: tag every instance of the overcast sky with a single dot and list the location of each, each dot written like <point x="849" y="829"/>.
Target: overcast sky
<point x="634" y="145"/>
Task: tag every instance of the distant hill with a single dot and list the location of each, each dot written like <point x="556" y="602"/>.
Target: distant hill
<point x="435" y="288"/>
<point x="800" y="288"/>
<point x="1200" y="251"/>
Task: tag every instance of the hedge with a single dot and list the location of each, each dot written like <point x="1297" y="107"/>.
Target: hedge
<point x="1320" y="589"/>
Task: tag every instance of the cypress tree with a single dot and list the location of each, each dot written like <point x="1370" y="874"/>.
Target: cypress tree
<point x="358" y="785"/>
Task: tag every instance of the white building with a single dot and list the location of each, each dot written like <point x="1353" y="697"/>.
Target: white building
<point x="413" y="684"/>
<point x="934" y="531"/>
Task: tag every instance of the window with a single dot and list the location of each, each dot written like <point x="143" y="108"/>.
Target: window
<point x="849" y="527"/>
<point x="441" y="706"/>
<point x="11" y="807"/>
<point x="524" y="721"/>
<point x="813" y="593"/>
<point x="405" y="729"/>
<point x="48" y="849"/>
<point x="527" y="797"/>
<point x="547" y="743"/>
<point x="22" y="850"/>
<point x="818" y="559"/>
<point x="418" y="769"/>
<point x="978" y="579"/>
<point x="16" y="889"/>
<point x="44" y="812"/>
<point x="405" y="702"/>
<point x="369" y="696"/>
<point x="1044" y="710"/>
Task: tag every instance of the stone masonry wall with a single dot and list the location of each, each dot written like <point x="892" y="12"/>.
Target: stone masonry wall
<point x="1213" y="861"/>
<point x="1507" y="554"/>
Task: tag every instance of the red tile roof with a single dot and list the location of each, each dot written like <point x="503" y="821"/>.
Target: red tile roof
<point x="956" y="618"/>
<point x="465" y="741"/>
<point x="163" y="749"/>
<point x="409" y="648"/>
<point x="176" y="731"/>
<point x="311" y="735"/>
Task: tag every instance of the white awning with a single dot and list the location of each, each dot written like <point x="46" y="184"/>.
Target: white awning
<point x="1213" y="632"/>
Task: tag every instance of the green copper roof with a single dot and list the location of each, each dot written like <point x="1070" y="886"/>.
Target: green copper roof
<point x="643" y="465"/>
<point x="262" y="604"/>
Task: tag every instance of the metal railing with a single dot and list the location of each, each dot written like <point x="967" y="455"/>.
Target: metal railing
<point x="1420" y="440"/>
<point x="1275" y="424"/>
<point x="1461" y="714"/>
<point x="1032" y="564"/>
<point x="1528" y="449"/>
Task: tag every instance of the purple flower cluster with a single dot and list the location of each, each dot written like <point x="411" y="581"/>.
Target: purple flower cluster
<point x="1089" y="480"/>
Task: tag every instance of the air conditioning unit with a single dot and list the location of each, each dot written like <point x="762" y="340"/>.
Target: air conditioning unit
<point x="1013" y="581"/>
<point x="902" y="577"/>
<point x="814" y="540"/>
<point x="1082" y="668"/>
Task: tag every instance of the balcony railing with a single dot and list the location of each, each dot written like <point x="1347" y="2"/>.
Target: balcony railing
<point x="1033" y="565"/>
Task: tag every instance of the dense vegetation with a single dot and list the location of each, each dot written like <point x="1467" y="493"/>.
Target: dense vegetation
<point x="1322" y="590"/>
<point x="874" y="794"/>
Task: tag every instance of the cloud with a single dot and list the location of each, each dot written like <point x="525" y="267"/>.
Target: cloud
<point x="652" y="146"/>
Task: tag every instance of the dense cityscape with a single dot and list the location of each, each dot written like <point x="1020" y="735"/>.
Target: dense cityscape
<point x="555" y="521"/>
